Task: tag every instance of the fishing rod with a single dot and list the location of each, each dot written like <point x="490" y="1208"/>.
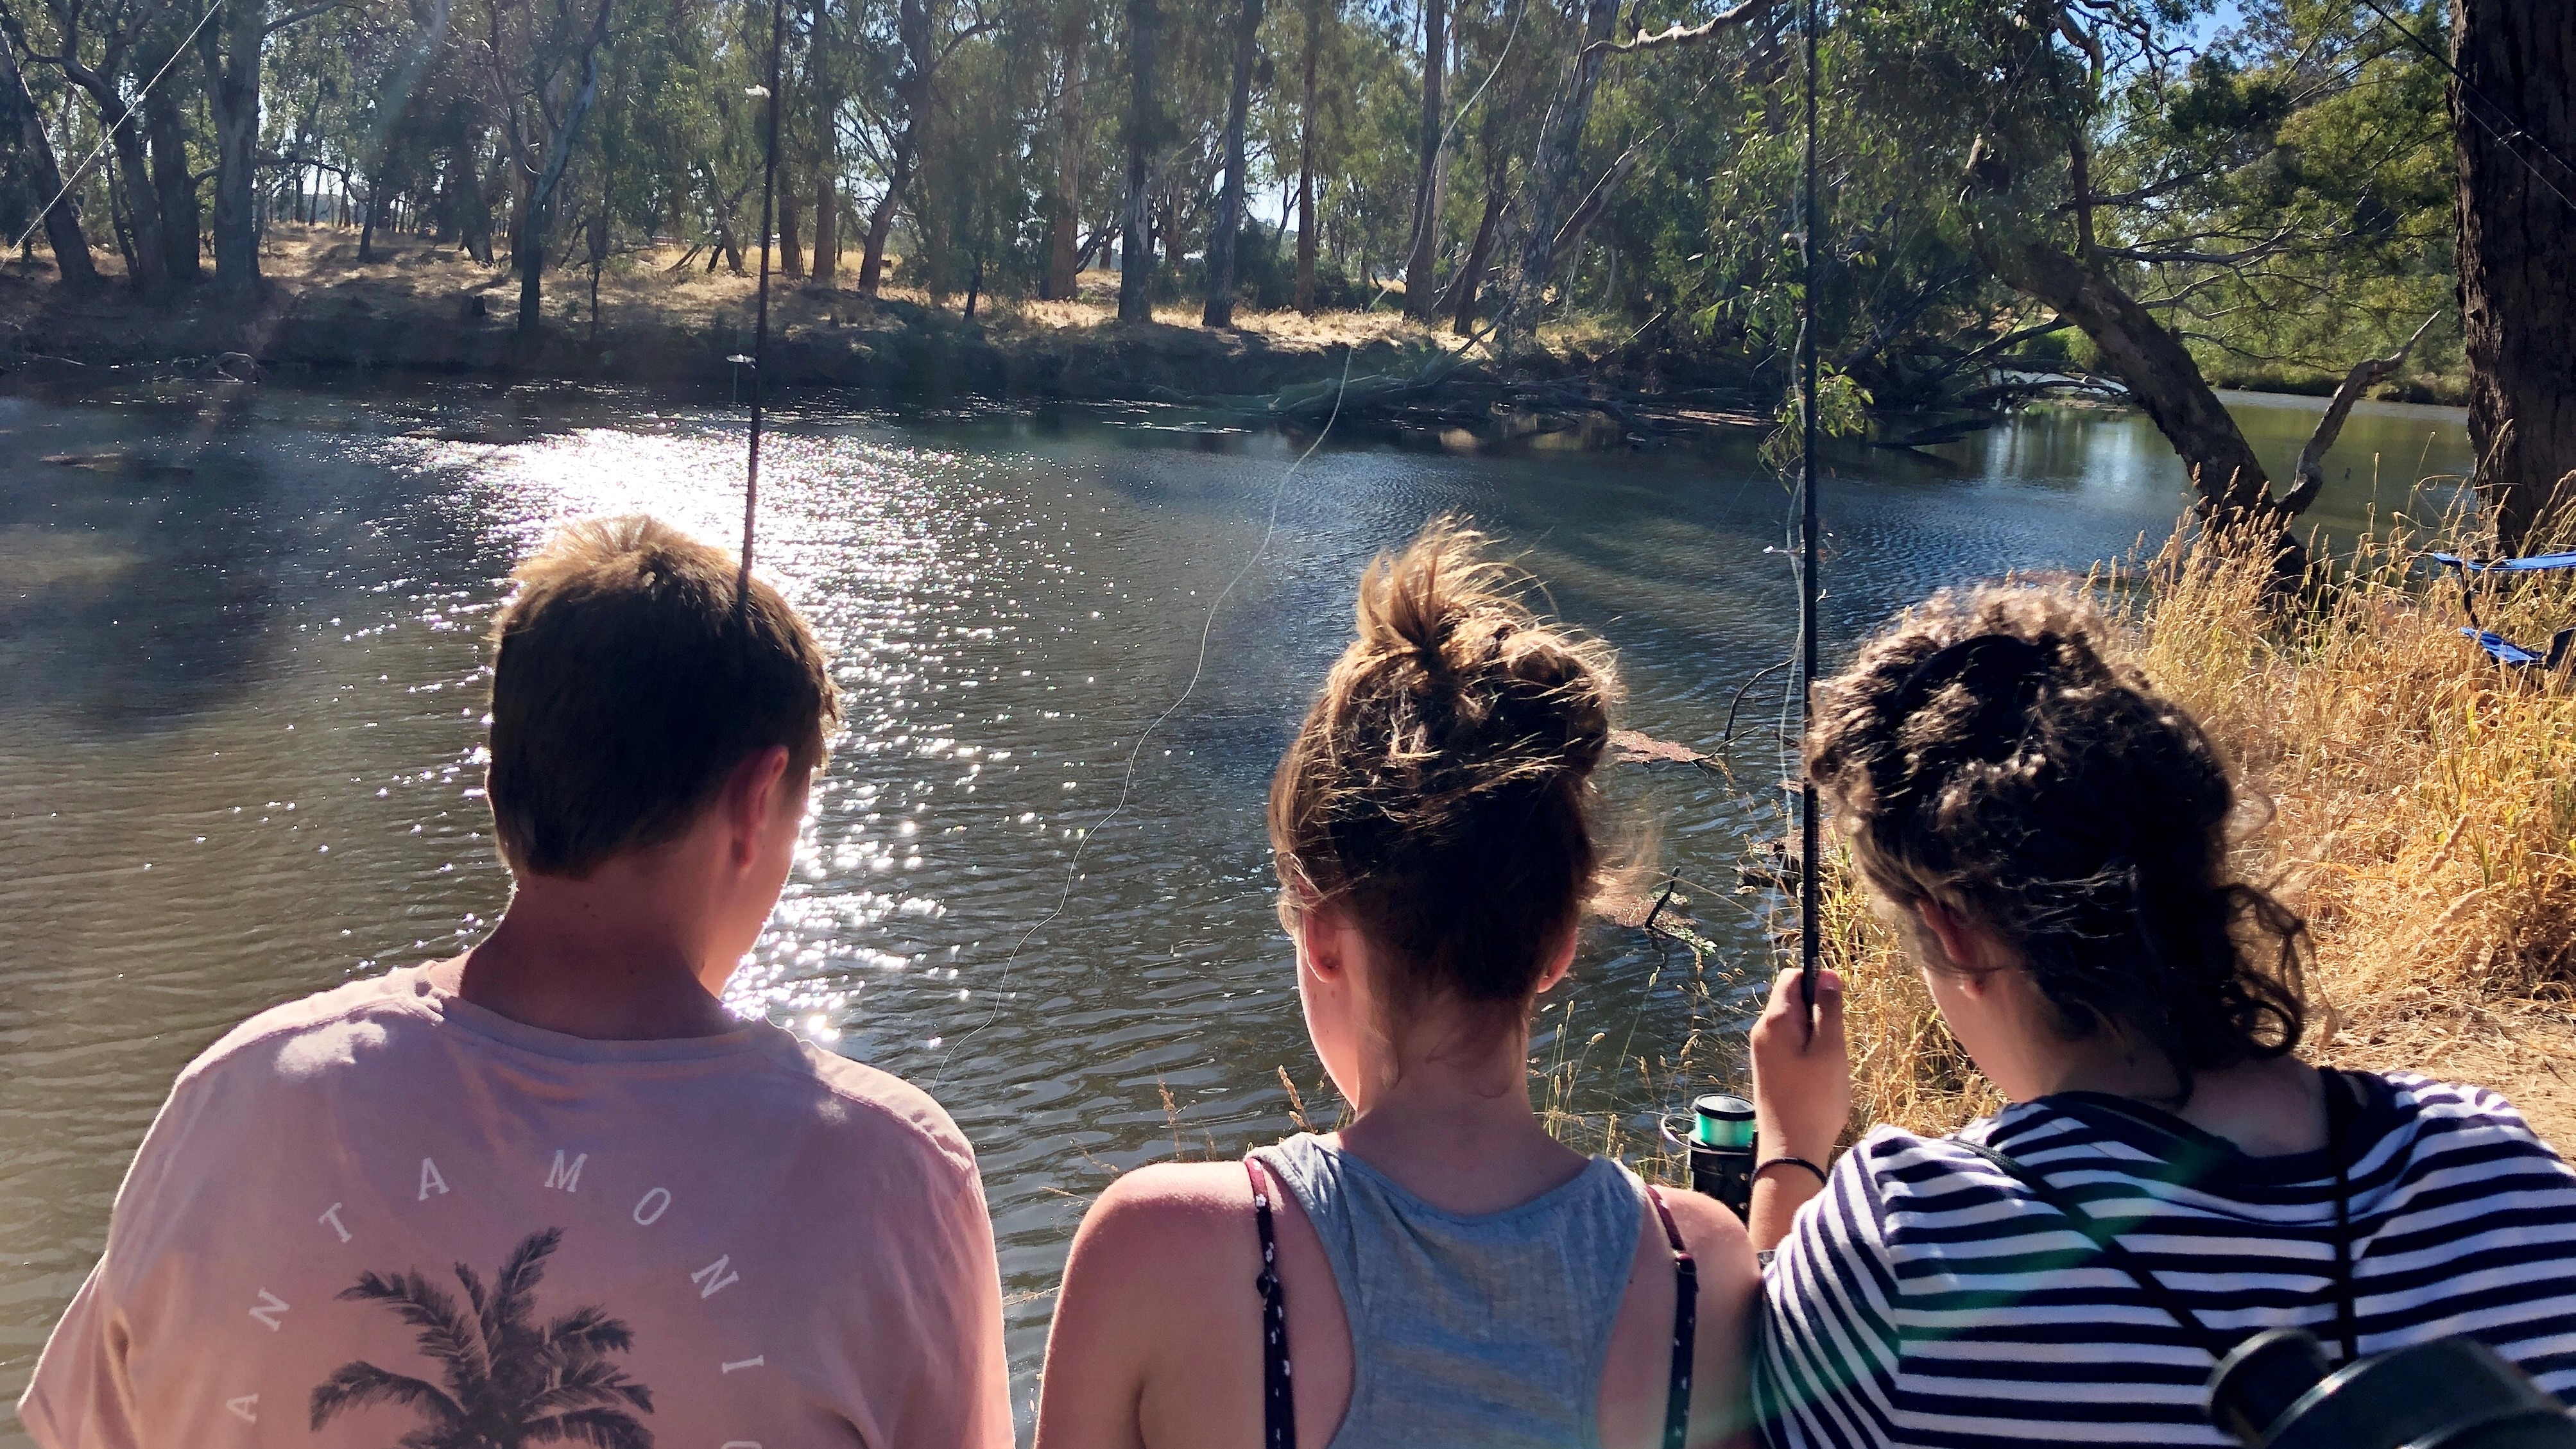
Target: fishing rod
<point x="1719" y="1141"/>
<point x="760" y="326"/>
<point x="1810" y="897"/>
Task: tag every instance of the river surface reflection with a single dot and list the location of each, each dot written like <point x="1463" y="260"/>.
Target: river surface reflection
<point x="240" y="730"/>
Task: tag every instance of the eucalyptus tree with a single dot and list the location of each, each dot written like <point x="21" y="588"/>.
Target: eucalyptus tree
<point x="94" y="44"/>
<point x="2095" y="151"/>
<point x="231" y="51"/>
<point x="1308" y="227"/>
<point x="907" y="62"/>
<point x="1070" y="143"/>
<point x="39" y="175"/>
<point x="1422" y="259"/>
<point x="1227" y="230"/>
<point x="542" y="68"/>
<point x="1144" y="125"/>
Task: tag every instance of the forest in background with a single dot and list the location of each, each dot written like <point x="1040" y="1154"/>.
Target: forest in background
<point x="2016" y="195"/>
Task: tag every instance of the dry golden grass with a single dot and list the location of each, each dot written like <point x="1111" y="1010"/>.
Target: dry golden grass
<point x="2422" y="818"/>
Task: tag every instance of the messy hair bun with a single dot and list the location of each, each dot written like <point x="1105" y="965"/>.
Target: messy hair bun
<point x="1440" y="791"/>
<point x="1990" y="752"/>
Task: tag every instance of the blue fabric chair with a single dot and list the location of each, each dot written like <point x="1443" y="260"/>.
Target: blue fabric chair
<point x="2504" y="650"/>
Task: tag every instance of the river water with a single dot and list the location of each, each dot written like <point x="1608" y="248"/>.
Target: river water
<point x="241" y="683"/>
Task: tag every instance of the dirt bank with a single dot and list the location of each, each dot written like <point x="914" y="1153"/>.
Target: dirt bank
<point x="421" y="310"/>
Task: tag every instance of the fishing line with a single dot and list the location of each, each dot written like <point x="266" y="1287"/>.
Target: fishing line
<point x="109" y="134"/>
<point x="760" y="329"/>
<point x="2473" y="93"/>
<point x="1207" y="627"/>
<point x="1127" y="781"/>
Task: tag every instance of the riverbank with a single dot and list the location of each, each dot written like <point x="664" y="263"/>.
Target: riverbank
<point x="665" y="321"/>
<point x="2421" y="820"/>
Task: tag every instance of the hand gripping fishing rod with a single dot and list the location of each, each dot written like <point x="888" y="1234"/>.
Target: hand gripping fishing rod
<point x="760" y="327"/>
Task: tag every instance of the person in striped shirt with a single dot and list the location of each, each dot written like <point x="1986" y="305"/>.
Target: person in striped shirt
<point x="2050" y="837"/>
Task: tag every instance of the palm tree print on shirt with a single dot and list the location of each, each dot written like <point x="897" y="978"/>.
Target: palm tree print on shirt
<point x="504" y="1381"/>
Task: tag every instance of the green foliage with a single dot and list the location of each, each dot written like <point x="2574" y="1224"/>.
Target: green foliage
<point x="2274" y="182"/>
<point x="1842" y="411"/>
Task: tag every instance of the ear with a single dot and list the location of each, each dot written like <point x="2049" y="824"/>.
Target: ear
<point x="1322" y="942"/>
<point x="1559" y="962"/>
<point x="1962" y="944"/>
<point x="752" y="795"/>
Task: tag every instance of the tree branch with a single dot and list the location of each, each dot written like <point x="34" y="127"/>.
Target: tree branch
<point x="298" y="17"/>
<point x="2369" y="372"/>
<point x="1680" y="35"/>
<point x="2274" y="243"/>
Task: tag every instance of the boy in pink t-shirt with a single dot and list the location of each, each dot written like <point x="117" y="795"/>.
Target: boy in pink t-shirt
<point x="551" y="1191"/>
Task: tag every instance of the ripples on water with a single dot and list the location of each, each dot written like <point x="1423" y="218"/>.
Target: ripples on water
<point x="242" y="748"/>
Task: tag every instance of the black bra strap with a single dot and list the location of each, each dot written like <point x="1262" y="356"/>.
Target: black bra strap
<point x="1278" y="1399"/>
<point x="1685" y="1326"/>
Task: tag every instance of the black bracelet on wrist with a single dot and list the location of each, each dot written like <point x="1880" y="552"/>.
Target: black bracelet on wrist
<point x="1784" y="1160"/>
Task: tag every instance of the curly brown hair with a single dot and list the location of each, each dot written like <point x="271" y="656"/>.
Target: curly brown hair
<point x="1990" y="753"/>
<point x="1440" y="791"/>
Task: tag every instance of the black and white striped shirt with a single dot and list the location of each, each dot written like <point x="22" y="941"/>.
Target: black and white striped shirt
<point x="1929" y="1299"/>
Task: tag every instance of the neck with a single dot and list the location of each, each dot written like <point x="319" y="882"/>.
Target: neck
<point x="1452" y="1123"/>
<point x="2267" y="1108"/>
<point x="605" y="958"/>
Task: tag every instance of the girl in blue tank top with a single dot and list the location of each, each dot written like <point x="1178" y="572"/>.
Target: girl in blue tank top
<point x="1440" y="1272"/>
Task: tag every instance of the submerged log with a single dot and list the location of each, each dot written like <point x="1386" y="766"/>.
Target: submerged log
<point x="1632" y="747"/>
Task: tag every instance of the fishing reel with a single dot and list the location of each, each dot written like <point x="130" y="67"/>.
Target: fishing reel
<point x="2274" y="1392"/>
<point x="1720" y="1141"/>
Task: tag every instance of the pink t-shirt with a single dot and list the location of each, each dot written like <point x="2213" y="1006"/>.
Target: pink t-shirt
<point x="383" y="1212"/>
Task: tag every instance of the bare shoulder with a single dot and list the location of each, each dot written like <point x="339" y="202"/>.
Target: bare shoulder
<point x="1718" y="1244"/>
<point x="1135" y="1301"/>
<point x="1168" y="1218"/>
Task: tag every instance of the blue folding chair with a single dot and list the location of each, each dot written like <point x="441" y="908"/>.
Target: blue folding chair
<point x="2504" y="650"/>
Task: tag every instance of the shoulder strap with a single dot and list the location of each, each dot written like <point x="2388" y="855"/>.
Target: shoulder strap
<point x="1278" y="1400"/>
<point x="1685" y="1326"/>
<point x="2108" y="1244"/>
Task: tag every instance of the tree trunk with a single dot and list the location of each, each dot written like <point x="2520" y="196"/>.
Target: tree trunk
<point x="1228" y="233"/>
<point x="1136" y="269"/>
<point x="881" y="220"/>
<point x="62" y="223"/>
<point x="791" y="246"/>
<point x="149" y="254"/>
<point x="468" y="211"/>
<point x="1424" y="259"/>
<point x="1472" y="275"/>
<point x="1063" y="279"/>
<point x="1307" y="228"/>
<point x="231" y="54"/>
<point x="367" y="222"/>
<point x="2226" y="476"/>
<point x="912" y="26"/>
<point x="172" y="187"/>
<point x="2517" y="240"/>
<point x="1560" y="143"/>
<point x="827" y="218"/>
<point x="539" y="192"/>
